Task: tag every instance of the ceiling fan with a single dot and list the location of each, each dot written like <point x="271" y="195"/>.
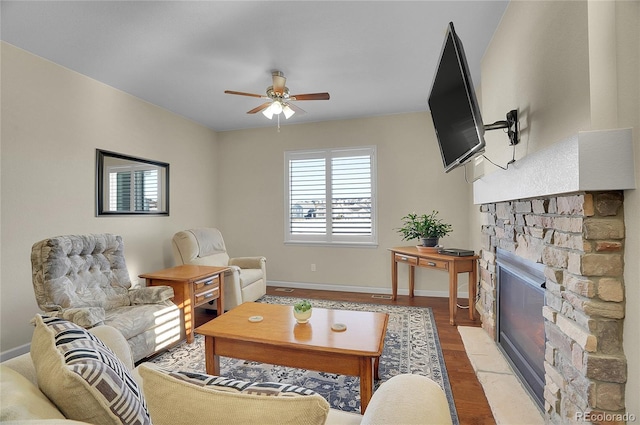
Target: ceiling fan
<point x="279" y="98"/>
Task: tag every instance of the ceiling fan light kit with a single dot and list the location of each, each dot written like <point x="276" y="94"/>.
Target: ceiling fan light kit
<point x="279" y="99"/>
<point x="276" y="107"/>
<point x="287" y="111"/>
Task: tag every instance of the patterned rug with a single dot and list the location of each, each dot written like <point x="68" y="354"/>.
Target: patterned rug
<point x="411" y="346"/>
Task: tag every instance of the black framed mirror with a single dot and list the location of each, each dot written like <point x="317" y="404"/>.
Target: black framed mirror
<point x="126" y="185"/>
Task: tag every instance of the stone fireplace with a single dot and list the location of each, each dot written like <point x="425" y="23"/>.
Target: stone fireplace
<point x="562" y="208"/>
<point x="579" y="238"/>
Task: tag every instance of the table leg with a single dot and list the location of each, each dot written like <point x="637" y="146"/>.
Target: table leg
<point x="473" y="277"/>
<point x="212" y="360"/>
<point x="453" y="295"/>
<point x="366" y="382"/>
<point x="412" y="280"/>
<point x="187" y="309"/>
<point x="376" y="367"/>
<point x="394" y="277"/>
<point x="220" y="304"/>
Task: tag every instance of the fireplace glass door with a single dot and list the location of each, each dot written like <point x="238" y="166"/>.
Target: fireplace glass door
<point x="521" y="333"/>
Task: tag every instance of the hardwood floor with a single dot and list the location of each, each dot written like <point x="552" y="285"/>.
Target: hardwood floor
<point x="471" y="403"/>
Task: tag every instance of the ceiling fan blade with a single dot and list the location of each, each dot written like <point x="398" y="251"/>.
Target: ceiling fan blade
<point x="310" y="96"/>
<point x="259" y="108"/>
<point x="245" y="94"/>
<point x="296" y="109"/>
<point x="278" y="82"/>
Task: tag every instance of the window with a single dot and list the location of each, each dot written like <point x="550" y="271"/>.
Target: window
<point x="331" y="196"/>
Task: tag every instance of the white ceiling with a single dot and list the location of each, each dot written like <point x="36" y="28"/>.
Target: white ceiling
<point x="373" y="57"/>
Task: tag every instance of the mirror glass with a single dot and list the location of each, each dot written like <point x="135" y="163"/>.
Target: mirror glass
<point x="127" y="185"/>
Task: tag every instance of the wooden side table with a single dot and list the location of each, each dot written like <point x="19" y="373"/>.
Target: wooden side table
<point x="453" y="265"/>
<point x="192" y="286"/>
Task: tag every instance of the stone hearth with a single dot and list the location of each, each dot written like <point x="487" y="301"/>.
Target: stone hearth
<point x="579" y="238"/>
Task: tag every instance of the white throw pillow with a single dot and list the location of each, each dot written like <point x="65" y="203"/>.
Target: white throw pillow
<point x="83" y="377"/>
<point x="206" y="399"/>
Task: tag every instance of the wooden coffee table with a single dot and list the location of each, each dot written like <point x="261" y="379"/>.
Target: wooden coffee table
<point x="279" y="339"/>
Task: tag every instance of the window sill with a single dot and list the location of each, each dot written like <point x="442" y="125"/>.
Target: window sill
<point x="334" y="244"/>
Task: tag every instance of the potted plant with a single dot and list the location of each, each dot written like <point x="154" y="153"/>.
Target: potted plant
<point x="302" y="311"/>
<point x="428" y="227"/>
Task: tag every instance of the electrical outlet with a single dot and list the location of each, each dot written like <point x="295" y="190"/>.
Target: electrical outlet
<point x="313" y="267"/>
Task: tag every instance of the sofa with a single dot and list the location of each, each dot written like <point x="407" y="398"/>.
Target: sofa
<point x="157" y="396"/>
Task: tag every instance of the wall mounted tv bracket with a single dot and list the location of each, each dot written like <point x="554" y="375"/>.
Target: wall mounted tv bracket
<point x="511" y="124"/>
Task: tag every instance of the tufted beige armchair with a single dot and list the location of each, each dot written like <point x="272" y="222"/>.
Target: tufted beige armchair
<point x="84" y="279"/>
<point x="245" y="281"/>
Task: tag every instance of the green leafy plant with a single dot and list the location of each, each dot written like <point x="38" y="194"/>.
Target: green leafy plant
<point x="302" y="306"/>
<point x="423" y="226"/>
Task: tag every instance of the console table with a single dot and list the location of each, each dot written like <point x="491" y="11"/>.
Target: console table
<point x="193" y="286"/>
<point x="433" y="260"/>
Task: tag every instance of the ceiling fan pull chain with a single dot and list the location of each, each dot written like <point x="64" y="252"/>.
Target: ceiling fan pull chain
<point x="278" y="123"/>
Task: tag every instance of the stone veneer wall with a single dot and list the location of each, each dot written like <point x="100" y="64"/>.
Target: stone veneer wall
<point x="580" y="240"/>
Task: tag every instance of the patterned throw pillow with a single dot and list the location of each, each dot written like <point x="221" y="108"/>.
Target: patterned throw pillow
<point x="220" y="383"/>
<point x="83" y="377"/>
<point x="172" y="396"/>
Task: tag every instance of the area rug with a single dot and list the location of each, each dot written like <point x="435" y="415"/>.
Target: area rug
<point x="411" y="346"/>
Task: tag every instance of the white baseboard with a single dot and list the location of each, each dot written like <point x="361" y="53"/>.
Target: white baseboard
<point x="14" y="352"/>
<point x="361" y="289"/>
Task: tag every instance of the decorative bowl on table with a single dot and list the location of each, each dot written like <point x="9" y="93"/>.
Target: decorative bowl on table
<point x="302" y="311"/>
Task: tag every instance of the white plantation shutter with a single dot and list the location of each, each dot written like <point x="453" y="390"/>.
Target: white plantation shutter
<point x="133" y="189"/>
<point x="307" y="194"/>
<point x="148" y="182"/>
<point x="351" y="195"/>
<point x="331" y="196"/>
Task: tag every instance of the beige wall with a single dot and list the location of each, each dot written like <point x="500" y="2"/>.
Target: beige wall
<point x="568" y="67"/>
<point x="410" y="178"/>
<point x="52" y="122"/>
<point x="537" y="62"/>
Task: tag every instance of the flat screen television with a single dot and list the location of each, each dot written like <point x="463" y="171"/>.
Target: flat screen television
<point x="454" y="107"/>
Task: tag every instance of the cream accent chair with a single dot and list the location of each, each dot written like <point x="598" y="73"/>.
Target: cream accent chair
<point x="84" y="279"/>
<point x="247" y="279"/>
